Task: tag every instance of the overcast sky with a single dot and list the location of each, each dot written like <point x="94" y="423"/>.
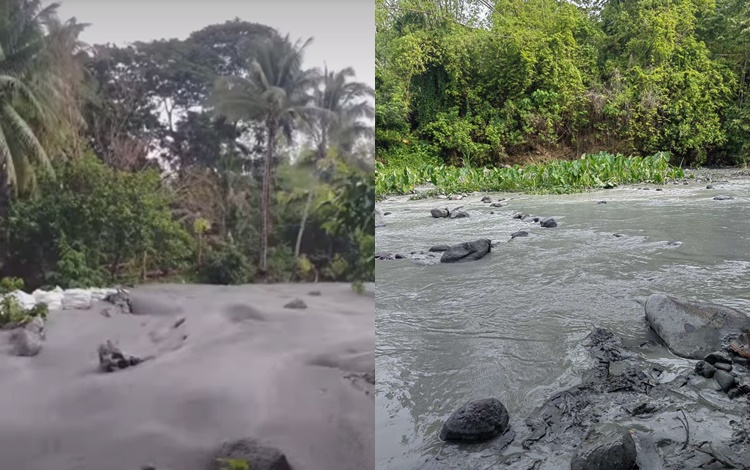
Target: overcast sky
<point x="343" y="30"/>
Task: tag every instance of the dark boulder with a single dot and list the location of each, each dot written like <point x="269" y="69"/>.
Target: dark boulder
<point x="725" y="380"/>
<point x="486" y="199"/>
<point x="296" y="304"/>
<point x="476" y="421"/>
<point x="520" y="233"/>
<point x="456" y="214"/>
<point x="606" y="447"/>
<point x="439" y="213"/>
<point x="548" y="222"/>
<point x="467" y="251"/>
<point x="112" y="359"/>
<point x="705" y="369"/>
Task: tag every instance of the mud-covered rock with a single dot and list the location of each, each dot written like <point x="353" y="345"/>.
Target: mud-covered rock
<point x="548" y="222"/>
<point x="705" y="369"/>
<point x="112" y="359"/>
<point x="693" y="329"/>
<point x="256" y="454"/>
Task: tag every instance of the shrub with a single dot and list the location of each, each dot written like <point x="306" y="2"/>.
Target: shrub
<point x="226" y="265"/>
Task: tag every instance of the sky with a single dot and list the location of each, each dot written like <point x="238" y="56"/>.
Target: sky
<point x="343" y="30"/>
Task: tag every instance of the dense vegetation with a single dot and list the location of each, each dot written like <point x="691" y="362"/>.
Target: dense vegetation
<point x="218" y="158"/>
<point x="474" y="83"/>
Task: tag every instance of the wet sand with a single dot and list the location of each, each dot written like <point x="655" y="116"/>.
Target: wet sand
<point x="239" y="365"/>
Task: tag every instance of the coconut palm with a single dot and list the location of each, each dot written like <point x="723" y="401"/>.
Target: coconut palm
<point x="275" y="92"/>
<point x="347" y="121"/>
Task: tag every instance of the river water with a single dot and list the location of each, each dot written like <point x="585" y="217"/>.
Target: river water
<point x="510" y="325"/>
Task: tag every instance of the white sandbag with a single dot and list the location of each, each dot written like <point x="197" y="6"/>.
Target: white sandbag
<point x="27" y="301"/>
<point x="76" y="299"/>
<point x="98" y="295"/>
<point x="53" y="299"/>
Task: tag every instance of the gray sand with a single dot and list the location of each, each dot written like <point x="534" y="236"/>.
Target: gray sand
<point x="247" y="368"/>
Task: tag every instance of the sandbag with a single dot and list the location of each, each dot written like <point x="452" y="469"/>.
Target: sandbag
<point x="98" y="295"/>
<point x="27" y="301"/>
<point x="53" y="299"/>
<point x="76" y="299"/>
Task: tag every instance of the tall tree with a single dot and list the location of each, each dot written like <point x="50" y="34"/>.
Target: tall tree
<point x="276" y="93"/>
<point x="347" y="120"/>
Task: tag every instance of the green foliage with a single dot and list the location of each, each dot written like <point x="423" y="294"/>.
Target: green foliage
<point x="590" y="171"/>
<point x="10" y="284"/>
<point x="233" y="464"/>
<point x="93" y="225"/>
<point x="226" y="264"/>
<point x="641" y="76"/>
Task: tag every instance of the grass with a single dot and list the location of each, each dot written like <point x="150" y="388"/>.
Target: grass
<point x="602" y="170"/>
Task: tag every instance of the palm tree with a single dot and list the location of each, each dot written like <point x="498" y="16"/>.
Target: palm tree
<point x="276" y="94"/>
<point x="349" y="107"/>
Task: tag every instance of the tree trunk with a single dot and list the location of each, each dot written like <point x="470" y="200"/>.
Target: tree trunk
<point x="266" y="195"/>
<point x="302" y="224"/>
<point x="4" y="212"/>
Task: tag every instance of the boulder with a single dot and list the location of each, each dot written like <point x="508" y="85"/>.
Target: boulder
<point x="439" y="213"/>
<point x="705" y="369"/>
<point x="467" y="251"/>
<point x="725" y="380"/>
<point x="439" y="248"/>
<point x="520" y="233"/>
<point x="112" y="359"/>
<point x="296" y="304"/>
<point x="256" y="454"/>
<point x="498" y="204"/>
<point x="458" y="214"/>
<point x="693" y="329"/>
<point x="723" y="198"/>
<point x="548" y="222"/>
<point x="606" y="447"/>
<point x="486" y="199"/>
<point x="26" y="340"/>
<point x="476" y="421"/>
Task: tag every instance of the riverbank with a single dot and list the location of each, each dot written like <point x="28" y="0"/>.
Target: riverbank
<point x="221" y="364"/>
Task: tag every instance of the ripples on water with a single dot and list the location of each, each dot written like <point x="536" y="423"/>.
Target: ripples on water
<point x="510" y="325"/>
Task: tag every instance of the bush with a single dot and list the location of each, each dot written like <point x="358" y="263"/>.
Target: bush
<point x="91" y="225"/>
<point x="226" y="265"/>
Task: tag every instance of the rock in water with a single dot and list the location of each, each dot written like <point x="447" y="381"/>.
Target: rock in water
<point x="26" y="342"/>
<point x="520" y="233"/>
<point x="723" y="198"/>
<point x="606" y="447"/>
<point x="457" y="214"/>
<point x="476" y="421"/>
<point x="486" y="199"/>
<point x="693" y="329"/>
<point x="379" y="221"/>
<point x="256" y="454"/>
<point x="725" y="380"/>
<point x="467" y="251"/>
<point x="112" y="359"/>
<point x="439" y="248"/>
<point x="439" y="213"/>
<point x="296" y="303"/>
<point x="548" y="222"/>
<point x="705" y="369"/>
<point x="121" y="301"/>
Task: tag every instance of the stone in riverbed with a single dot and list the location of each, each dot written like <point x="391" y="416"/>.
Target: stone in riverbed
<point x="467" y="251"/>
<point x="486" y="199"/>
<point x="725" y="380"/>
<point x="26" y="342"/>
<point x="476" y="421"/>
<point x="606" y="447"/>
<point x="693" y="329"/>
<point x="498" y="204"/>
<point x="439" y="248"/>
<point x="456" y="214"/>
<point x="520" y="233"/>
<point x="710" y="186"/>
<point x="112" y="359"/>
<point x="439" y="213"/>
<point x="723" y="366"/>
<point x="296" y="304"/>
<point x="723" y="198"/>
<point x="257" y="455"/>
<point x="716" y="357"/>
<point x="705" y="369"/>
<point x="548" y="222"/>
